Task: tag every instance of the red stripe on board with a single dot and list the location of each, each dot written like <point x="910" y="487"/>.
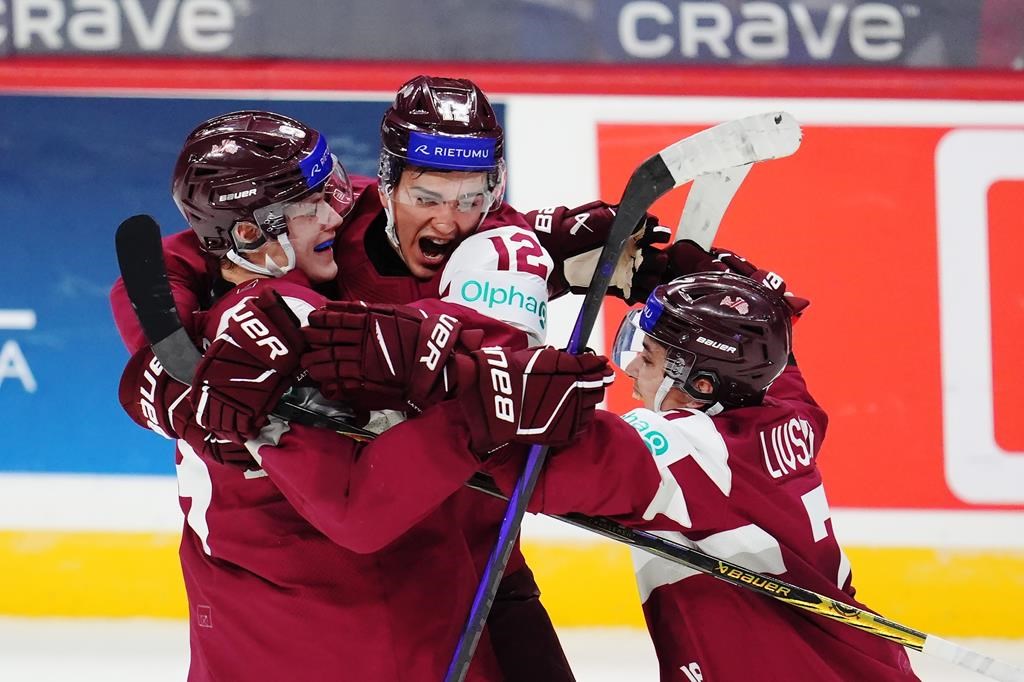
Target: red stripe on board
<point x="42" y="74"/>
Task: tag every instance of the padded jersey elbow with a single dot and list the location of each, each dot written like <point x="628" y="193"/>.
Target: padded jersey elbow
<point x="502" y="273"/>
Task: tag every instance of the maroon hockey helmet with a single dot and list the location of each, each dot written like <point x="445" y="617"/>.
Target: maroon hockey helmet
<point x="248" y="166"/>
<point x="718" y="326"/>
<point x="441" y="124"/>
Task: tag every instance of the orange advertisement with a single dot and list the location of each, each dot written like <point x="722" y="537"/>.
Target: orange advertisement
<point x="851" y="221"/>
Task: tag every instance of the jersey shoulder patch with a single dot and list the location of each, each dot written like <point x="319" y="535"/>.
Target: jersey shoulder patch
<point x="502" y="273"/>
<point x="672" y="437"/>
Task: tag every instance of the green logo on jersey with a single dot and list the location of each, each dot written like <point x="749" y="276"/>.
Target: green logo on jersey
<point x="492" y="295"/>
<point x="655" y="440"/>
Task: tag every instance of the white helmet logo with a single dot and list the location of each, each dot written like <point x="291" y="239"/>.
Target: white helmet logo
<point x="737" y="304"/>
<point x="237" y="195"/>
<point x="226" y="147"/>
<point x="454" y="111"/>
<point x="293" y="131"/>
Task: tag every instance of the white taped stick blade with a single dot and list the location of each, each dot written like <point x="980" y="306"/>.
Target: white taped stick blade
<point x="733" y="143"/>
<point x="709" y="197"/>
<point x="972" y="660"/>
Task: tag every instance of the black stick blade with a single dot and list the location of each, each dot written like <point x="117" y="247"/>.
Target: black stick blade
<point x="140" y="255"/>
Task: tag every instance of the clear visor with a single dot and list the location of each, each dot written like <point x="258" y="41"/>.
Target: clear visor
<point x="334" y="198"/>
<point x="629" y="340"/>
<point x="629" y="343"/>
<point x="469" y="195"/>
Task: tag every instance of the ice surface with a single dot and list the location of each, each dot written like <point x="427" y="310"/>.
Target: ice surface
<point x="66" y="650"/>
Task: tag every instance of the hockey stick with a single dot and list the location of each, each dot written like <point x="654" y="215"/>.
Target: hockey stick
<point x="140" y="256"/>
<point x="709" y="197"/>
<point x="154" y="306"/>
<point x="728" y="145"/>
<point x="711" y="194"/>
<point x="770" y="586"/>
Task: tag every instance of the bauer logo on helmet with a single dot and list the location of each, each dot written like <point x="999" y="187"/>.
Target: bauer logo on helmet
<point x="242" y="194"/>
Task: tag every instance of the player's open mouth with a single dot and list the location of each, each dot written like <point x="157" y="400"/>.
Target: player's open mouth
<point x="435" y="250"/>
<point x="323" y="246"/>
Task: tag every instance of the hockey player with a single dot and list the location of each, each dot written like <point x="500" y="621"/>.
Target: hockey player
<point x="301" y="567"/>
<point x="373" y="250"/>
<point x="722" y="456"/>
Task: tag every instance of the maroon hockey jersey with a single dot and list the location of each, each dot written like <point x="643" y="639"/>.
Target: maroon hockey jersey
<point x="524" y="638"/>
<point x="742" y="485"/>
<point x="335" y="559"/>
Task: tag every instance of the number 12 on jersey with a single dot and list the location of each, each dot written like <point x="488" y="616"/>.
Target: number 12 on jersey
<point x="529" y="255"/>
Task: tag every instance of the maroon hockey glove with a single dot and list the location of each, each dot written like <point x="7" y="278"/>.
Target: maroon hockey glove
<point x="741" y="266"/>
<point x="157" y="402"/>
<point x="686" y="257"/>
<point x="247" y="369"/>
<point x="574" y="238"/>
<point x="380" y="356"/>
<point x="538" y="395"/>
<point x="681" y="258"/>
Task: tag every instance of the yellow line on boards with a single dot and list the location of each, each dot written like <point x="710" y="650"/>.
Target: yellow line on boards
<point x="91" y="574"/>
<point x="952" y="593"/>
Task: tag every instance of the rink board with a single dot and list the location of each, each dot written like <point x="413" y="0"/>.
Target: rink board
<point x="963" y="592"/>
<point x="898" y="218"/>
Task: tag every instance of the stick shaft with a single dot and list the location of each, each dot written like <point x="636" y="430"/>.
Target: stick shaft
<point x="727" y="145"/>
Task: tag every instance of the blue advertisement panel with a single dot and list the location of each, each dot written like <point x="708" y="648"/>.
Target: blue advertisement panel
<point x="71" y="169"/>
<point x="934" y="33"/>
